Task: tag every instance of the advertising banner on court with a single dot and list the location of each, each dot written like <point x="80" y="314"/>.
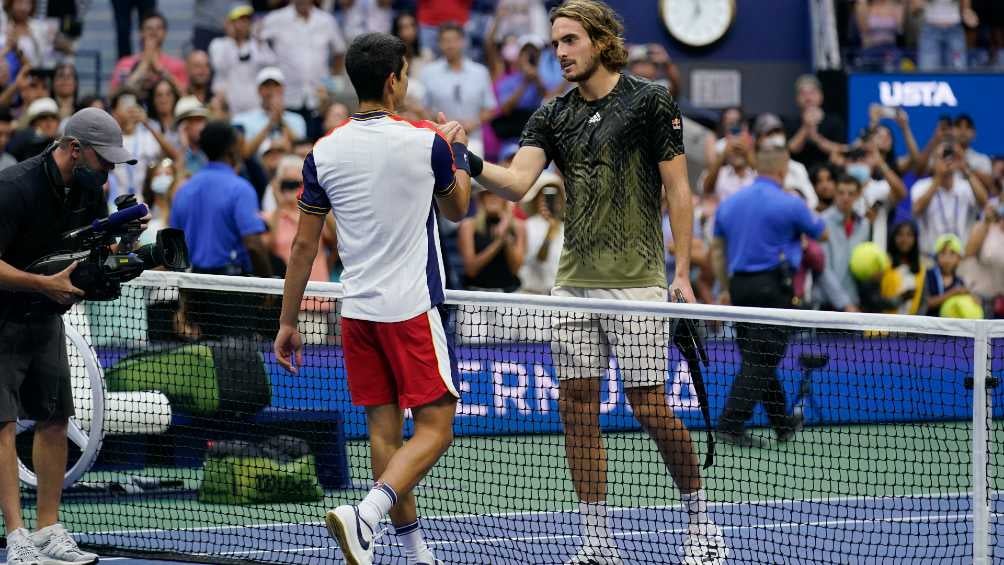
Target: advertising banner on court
<point x="927" y="97"/>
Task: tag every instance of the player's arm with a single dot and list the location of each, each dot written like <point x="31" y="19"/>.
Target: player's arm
<point x="451" y="170"/>
<point x="514" y="181"/>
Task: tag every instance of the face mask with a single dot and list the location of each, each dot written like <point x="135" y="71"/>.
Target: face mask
<point x="161" y="183"/>
<point x="776" y="140"/>
<point x="860" y="171"/>
<point x="85" y="177"/>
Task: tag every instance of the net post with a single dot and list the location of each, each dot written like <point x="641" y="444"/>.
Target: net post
<point x="981" y="484"/>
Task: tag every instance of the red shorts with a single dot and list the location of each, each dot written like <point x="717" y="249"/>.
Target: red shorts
<point x="407" y="363"/>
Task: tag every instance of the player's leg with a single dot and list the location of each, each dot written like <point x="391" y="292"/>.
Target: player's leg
<point x="580" y="355"/>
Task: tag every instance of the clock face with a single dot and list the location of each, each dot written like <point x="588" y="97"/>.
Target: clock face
<point x="697" y="22"/>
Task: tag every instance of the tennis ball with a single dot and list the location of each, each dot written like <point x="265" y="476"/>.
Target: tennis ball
<point x="961" y="306"/>
<point x="868" y="261"/>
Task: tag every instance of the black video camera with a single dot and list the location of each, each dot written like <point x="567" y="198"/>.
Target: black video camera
<point x="100" y="272"/>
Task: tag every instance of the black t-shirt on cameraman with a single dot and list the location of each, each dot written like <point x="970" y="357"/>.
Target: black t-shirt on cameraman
<point x="35" y="210"/>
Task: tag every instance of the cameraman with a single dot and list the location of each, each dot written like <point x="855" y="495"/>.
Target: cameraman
<point x="40" y="198"/>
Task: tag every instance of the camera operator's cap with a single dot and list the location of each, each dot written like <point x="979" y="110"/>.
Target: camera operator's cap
<point x="766" y="123"/>
<point x="239" y="11"/>
<point x="270" y="73"/>
<point x="949" y="240"/>
<point x="41" y="108"/>
<point x="189" y="107"/>
<point x="97" y="128"/>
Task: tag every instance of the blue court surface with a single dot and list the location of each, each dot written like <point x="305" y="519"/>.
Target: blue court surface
<point x="909" y="529"/>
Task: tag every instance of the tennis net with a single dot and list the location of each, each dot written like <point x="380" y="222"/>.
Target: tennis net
<point x="195" y="445"/>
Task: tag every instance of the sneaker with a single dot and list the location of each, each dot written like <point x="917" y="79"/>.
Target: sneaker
<point x="57" y="547"/>
<point x="592" y="555"/>
<point x="355" y="536"/>
<point x="426" y="558"/>
<point x="741" y="439"/>
<point x="21" y="550"/>
<point x="704" y="545"/>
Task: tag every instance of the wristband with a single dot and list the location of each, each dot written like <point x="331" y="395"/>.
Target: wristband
<point x="477" y="165"/>
<point x="460" y="158"/>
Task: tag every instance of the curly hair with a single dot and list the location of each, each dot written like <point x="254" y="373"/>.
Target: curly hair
<point x="603" y="25"/>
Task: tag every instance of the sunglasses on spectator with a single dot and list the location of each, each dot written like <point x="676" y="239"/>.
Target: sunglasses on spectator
<point x="290" y="185"/>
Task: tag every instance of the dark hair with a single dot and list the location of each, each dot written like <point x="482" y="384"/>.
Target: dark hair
<point x="603" y="26"/>
<point x="450" y="26"/>
<point x="414" y="47"/>
<point x="912" y="256"/>
<point x="372" y="58"/>
<point x="150" y="15"/>
<point x="966" y="119"/>
<point x="217" y="140"/>
<point x="5" y="115"/>
<point x="845" y="178"/>
<point x="151" y="108"/>
<point x="720" y="126"/>
<point x="87" y="101"/>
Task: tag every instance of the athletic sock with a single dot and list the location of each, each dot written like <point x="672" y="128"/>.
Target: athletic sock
<point x="595" y="529"/>
<point x="696" y="504"/>
<point x="377" y="503"/>
<point x="410" y="536"/>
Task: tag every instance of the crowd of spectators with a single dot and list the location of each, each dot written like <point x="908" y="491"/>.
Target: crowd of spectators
<point x="275" y="71"/>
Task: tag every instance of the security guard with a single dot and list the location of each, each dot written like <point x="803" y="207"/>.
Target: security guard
<point x="40" y="198"/>
<point x="759" y="230"/>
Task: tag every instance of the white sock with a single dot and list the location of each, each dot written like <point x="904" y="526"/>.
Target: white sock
<point x="377" y="503"/>
<point x="696" y="504"/>
<point x="410" y="536"/>
<point x="595" y="527"/>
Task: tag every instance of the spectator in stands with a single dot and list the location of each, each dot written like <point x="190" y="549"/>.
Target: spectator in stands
<point x="433" y="14"/>
<point x="270" y="119"/>
<point x="824" y="182"/>
<point x="652" y="62"/>
<point x="948" y="201"/>
<point x="769" y="130"/>
<point x="140" y="72"/>
<point x="882" y="136"/>
<point x="521" y="92"/>
<point x="6" y="129"/>
<point x="492" y="245"/>
<point x="941" y="44"/>
<point x="991" y="14"/>
<point x="65" y="87"/>
<point x="159" y="184"/>
<point x="965" y="132"/>
<point x="909" y="268"/>
<point x="519" y="17"/>
<point x="191" y="117"/>
<point x="996" y="188"/>
<point x="942" y="281"/>
<point x="200" y="76"/>
<point x="218" y="211"/>
<point x="837" y="290"/>
<point x="160" y="103"/>
<point x="30" y="85"/>
<point x="732" y="168"/>
<point x="731" y="122"/>
<point x="43" y="127"/>
<point x="984" y="263"/>
<point x="33" y="39"/>
<point x="208" y="17"/>
<point x="757" y="248"/>
<point x="357" y="17"/>
<point x="881" y="188"/>
<point x="879" y="22"/>
<point x="337" y="114"/>
<point x="814" y="135"/>
<point x="282" y="222"/>
<point x="141" y="139"/>
<point x="236" y="60"/>
<point x="545" y="234"/>
<point x="123" y="21"/>
<point x="304" y="39"/>
<point x="459" y="87"/>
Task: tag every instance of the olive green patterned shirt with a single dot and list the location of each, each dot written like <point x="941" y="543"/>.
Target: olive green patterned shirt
<point x="609" y="151"/>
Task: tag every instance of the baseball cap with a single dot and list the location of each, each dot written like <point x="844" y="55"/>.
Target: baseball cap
<point x="239" y="11"/>
<point x="766" y="123"/>
<point x="97" y="128"/>
<point x="529" y="39"/>
<point x="546" y="178"/>
<point x="41" y="108"/>
<point x="270" y="73"/>
<point x="949" y="240"/>
<point x="637" y="53"/>
<point x="189" y="107"/>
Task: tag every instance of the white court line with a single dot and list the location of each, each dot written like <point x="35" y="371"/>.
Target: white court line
<point x="766" y="502"/>
<point x="636" y="534"/>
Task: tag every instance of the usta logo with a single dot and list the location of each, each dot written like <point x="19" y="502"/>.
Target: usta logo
<point x="917" y="93"/>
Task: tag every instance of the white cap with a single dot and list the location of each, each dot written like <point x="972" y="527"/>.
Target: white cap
<point x="270" y="73"/>
<point x="529" y="39"/>
<point x="42" y="107"/>
<point x="546" y="178"/>
<point x="189" y="107"/>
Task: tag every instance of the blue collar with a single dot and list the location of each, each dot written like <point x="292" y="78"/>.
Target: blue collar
<point x="768" y="180"/>
<point x="219" y="166"/>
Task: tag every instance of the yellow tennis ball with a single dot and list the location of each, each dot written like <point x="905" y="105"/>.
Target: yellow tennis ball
<point x="892" y="283"/>
<point x="961" y="306"/>
<point x="868" y="261"/>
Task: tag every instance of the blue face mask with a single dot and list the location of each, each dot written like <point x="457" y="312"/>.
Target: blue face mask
<point x="861" y="171"/>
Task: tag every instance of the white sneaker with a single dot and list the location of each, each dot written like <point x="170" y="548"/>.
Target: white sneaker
<point x="426" y="558"/>
<point x="58" y="548"/>
<point x="355" y="535"/>
<point x="704" y="545"/>
<point x="21" y="550"/>
<point x="596" y="555"/>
